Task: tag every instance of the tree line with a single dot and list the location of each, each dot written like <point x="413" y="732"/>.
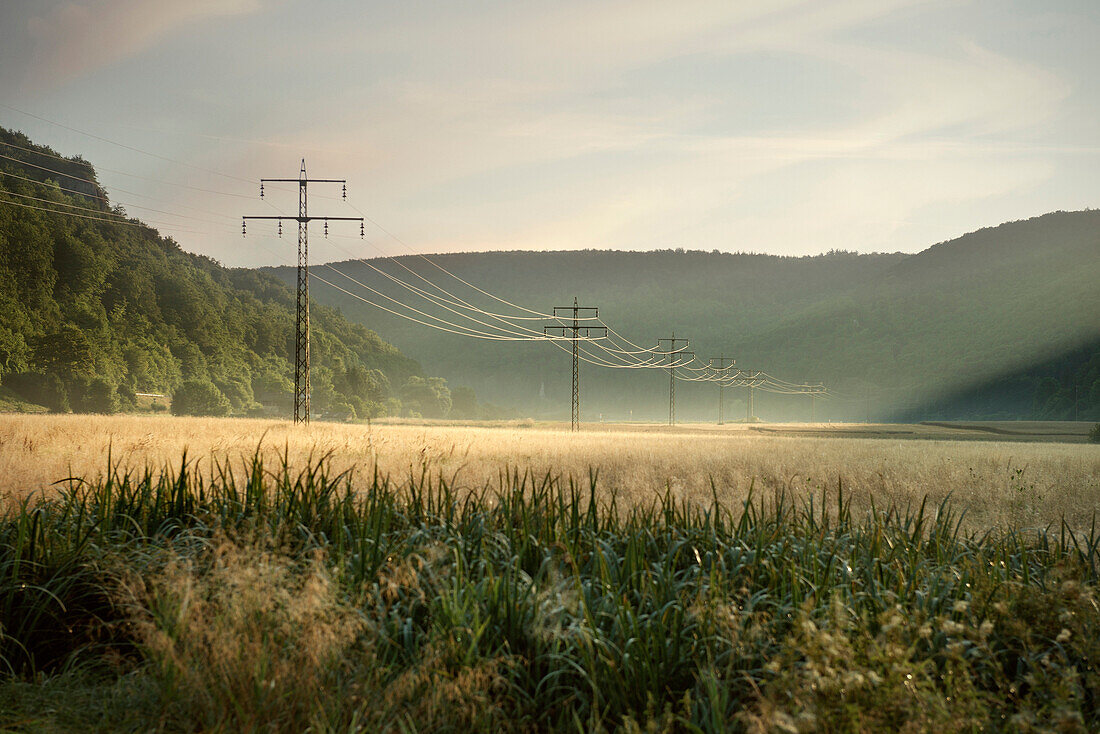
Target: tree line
<point x="96" y="312"/>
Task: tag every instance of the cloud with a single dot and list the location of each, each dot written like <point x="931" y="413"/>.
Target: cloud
<point x="596" y="123"/>
<point x="76" y="37"/>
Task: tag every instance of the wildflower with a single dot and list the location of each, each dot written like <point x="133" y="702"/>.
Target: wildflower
<point x="950" y="627"/>
<point x="1064" y="635"/>
<point x="854" y="679"/>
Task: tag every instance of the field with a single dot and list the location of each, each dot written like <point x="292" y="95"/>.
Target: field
<point x="406" y="578"/>
<point x="997" y="481"/>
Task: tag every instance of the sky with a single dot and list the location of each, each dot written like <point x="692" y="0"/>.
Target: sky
<point x="788" y="127"/>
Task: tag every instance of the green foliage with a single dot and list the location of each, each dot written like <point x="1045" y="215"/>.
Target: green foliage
<point x="285" y="599"/>
<point x="66" y="351"/>
<point x="464" y="403"/>
<point x="428" y="398"/>
<point x="200" y="397"/>
<point x="1094" y="434"/>
<point x="115" y="302"/>
<point x="94" y="395"/>
<point x="342" y="411"/>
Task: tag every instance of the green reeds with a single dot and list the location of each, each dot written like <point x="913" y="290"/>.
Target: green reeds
<point x="553" y="606"/>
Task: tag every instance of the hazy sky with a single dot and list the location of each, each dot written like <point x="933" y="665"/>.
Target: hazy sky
<point x="786" y="127"/>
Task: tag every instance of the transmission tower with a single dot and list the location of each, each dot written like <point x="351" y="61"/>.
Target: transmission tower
<point x="674" y="356"/>
<point x="574" y="333"/>
<point x="750" y="379"/>
<point x="301" y="319"/>
<point x="721" y="367"/>
<point x="814" y="391"/>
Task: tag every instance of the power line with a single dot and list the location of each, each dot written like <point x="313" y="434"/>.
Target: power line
<point x="124" y="145"/>
<point x="74" y="214"/>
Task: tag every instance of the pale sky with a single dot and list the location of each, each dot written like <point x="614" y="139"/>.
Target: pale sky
<point x="785" y="126"/>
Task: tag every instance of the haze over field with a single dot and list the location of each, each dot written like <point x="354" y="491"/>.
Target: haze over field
<point x="974" y="327"/>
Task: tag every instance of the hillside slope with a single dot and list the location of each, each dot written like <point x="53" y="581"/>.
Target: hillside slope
<point x="912" y="332"/>
<point x="97" y="307"/>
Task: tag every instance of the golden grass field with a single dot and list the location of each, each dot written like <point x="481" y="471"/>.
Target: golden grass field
<point x="998" y="482"/>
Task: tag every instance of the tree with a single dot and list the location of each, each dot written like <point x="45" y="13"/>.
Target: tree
<point x="341" y="411"/>
<point x="67" y="350"/>
<point x="429" y="397"/>
<point x="463" y="402"/>
<point x="199" y="397"/>
<point x="94" y="395"/>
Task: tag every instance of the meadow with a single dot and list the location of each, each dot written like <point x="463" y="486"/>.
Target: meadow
<point x="998" y="482"/>
<point x="407" y="578"/>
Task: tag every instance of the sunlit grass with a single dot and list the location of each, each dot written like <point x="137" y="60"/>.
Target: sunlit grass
<point x="996" y="483"/>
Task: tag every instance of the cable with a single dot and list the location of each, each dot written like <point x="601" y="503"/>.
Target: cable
<point x="518" y="336"/>
<point x="123" y="145"/>
<point x="74" y="214"/>
<point x="100" y="211"/>
<point x="100" y="188"/>
<point x="444" y="270"/>
<point x="443" y="302"/>
<point x="410" y="318"/>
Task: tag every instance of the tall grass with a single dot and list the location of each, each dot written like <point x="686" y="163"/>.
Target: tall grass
<point x="275" y="598"/>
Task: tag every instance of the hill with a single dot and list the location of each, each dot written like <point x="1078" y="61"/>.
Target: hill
<point x="999" y="323"/>
<point x="98" y="307"/>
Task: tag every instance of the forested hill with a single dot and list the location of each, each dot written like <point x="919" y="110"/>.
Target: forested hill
<point x="1003" y="322"/>
<point x="98" y="307"/>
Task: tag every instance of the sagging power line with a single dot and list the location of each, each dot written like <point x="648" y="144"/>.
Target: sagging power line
<point x="616" y="355"/>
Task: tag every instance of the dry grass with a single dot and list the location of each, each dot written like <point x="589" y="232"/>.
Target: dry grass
<point x="997" y="482"/>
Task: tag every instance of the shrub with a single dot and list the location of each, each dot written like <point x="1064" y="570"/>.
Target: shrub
<point x="197" y="397"/>
<point x="241" y="639"/>
<point x="94" y="395"/>
<point x="46" y="390"/>
<point x="1094" y="434"/>
<point x="341" y="411"/>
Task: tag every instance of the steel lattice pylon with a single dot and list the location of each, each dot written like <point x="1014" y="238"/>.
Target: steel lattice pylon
<point x="301" y="321"/>
<point x="721" y="370"/>
<point x="674" y="356"/>
<point x="302" y="391"/>
<point x="574" y="333"/>
<point x="575" y="415"/>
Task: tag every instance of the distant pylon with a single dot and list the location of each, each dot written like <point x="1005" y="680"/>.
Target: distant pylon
<point x="721" y="367"/>
<point x="674" y="357"/>
<point x="574" y="334"/>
